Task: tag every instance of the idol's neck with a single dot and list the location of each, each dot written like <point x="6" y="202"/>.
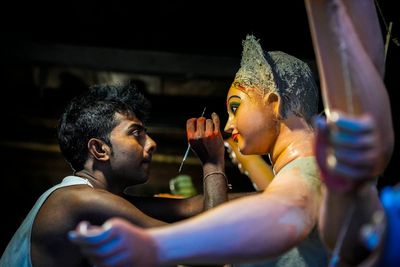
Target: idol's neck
<point x="295" y="140"/>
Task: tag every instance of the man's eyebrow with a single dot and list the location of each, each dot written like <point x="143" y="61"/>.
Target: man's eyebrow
<point x="137" y="126"/>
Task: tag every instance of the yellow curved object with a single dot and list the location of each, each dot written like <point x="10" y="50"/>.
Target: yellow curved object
<point x="254" y="166"/>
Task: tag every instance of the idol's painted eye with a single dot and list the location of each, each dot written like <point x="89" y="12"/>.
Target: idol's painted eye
<point x="233" y="106"/>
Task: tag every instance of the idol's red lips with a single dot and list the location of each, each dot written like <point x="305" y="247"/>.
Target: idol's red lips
<point x="235" y="137"/>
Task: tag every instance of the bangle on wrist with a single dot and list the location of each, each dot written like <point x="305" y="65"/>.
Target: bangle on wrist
<point x="218" y="172"/>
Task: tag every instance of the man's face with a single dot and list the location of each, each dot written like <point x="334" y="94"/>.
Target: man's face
<point x="131" y="150"/>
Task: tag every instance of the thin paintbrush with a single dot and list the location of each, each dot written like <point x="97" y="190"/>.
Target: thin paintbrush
<point x="188" y="148"/>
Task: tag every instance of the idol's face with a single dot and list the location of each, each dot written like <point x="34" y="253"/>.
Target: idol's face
<point x="252" y="120"/>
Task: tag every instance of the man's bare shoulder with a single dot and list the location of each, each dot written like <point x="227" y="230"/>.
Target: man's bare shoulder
<point x="77" y="202"/>
<point x="59" y="214"/>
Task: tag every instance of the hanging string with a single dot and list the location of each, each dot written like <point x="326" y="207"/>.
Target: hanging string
<point x="387" y="28"/>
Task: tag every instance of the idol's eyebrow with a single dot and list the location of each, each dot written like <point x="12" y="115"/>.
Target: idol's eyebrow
<point x="233" y="96"/>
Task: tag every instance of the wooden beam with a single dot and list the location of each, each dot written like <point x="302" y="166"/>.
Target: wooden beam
<point x="113" y="59"/>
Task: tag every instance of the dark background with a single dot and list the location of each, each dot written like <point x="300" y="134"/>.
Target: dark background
<point x="184" y="54"/>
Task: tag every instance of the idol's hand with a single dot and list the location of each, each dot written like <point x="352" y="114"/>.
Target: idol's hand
<point x="234" y="154"/>
<point x="254" y="166"/>
<point x="116" y="243"/>
<point x="347" y="150"/>
<point x="205" y="138"/>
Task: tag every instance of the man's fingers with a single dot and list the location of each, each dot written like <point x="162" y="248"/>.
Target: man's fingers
<point x="209" y="127"/>
<point x="191" y="127"/>
<point x="200" y="127"/>
<point x="216" y="121"/>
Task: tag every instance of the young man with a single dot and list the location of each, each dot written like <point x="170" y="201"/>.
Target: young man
<point x="102" y="135"/>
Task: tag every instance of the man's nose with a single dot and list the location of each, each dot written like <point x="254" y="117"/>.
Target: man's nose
<point x="150" y="145"/>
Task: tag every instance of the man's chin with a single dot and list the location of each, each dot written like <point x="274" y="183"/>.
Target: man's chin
<point x="141" y="180"/>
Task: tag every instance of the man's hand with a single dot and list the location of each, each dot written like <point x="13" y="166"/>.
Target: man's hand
<point x="205" y="138"/>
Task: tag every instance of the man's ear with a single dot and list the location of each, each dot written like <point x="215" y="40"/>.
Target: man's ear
<point x="98" y="149"/>
<point x="273" y="100"/>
